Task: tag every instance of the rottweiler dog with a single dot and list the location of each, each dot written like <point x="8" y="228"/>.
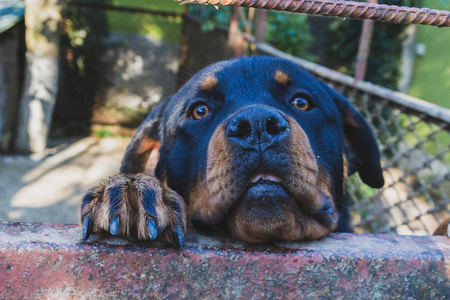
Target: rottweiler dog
<point x="255" y="148"/>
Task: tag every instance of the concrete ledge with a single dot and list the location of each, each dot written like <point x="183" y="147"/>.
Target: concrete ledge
<point x="50" y="261"/>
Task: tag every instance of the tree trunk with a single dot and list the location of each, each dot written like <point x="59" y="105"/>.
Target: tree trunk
<point x="42" y="21"/>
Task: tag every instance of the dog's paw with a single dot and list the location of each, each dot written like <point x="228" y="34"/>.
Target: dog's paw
<point x="134" y="205"/>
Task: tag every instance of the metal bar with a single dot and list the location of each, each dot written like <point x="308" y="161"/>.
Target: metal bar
<point x="235" y="41"/>
<point x="364" y="48"/>
<point x="415" y="104"/>
<point x="260" y="28"/>
<point x="346" y="9"/>
<point x="125" y="9"/>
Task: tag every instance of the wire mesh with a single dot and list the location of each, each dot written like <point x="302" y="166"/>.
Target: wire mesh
<point x="414" y="141"/>
<point x="415" y="151"/>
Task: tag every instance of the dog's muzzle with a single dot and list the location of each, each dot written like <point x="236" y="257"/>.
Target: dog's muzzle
<point x="257" y="127"/>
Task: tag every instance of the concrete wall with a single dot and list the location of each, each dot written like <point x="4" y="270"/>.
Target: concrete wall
<point x="50" y="261"/>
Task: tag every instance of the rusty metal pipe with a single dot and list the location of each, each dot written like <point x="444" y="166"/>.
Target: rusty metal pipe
<point x="346" y="9"/>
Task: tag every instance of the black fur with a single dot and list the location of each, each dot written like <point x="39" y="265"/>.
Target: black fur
<point x="246" y="82"/>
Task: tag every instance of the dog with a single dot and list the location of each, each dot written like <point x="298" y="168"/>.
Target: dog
<point x="255" y="148"/>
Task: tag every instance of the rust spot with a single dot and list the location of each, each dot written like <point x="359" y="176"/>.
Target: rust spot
<point x="282" y="78"/>
<point x="208" y="83"/>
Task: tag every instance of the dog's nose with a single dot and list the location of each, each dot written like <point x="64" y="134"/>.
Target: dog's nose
<point x="257" y="124"/>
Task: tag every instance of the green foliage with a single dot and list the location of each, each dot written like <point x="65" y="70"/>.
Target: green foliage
<point x="431" y="77"/>
<point x="385" y="50"/>
<point x="210" y="16"/>
<point x="383" y="66"/>
<point x="286" y="31"/>
<point x="159" y="5"/>
<point x="289" y="33"/>
<point x="161" y="27"/>
<point x="102" y="132"/>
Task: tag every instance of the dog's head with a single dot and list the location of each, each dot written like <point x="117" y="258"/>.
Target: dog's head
<point x="260" y="147"/>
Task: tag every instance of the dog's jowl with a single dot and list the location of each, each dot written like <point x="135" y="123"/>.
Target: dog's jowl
<point x="255" y="148"/>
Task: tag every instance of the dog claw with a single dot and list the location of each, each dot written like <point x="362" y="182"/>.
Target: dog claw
<point x="114" y="226"/>
<point x="180" y="236"/>
<point x="152" y="230"/>
<point x="87" y="227"/>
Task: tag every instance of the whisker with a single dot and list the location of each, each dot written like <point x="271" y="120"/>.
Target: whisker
<point x="314" y="156"/>
<point x="186" y="70"/>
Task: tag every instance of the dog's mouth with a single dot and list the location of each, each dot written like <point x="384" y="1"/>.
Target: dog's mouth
<point x="268" y="210"/>
<point x="265" y="198"/>
<point x="263" y="210"/>
<point x="265" y="177"/>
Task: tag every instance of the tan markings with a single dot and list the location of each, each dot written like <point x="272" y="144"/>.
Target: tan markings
<point x="152" y="162"/>
<point x="305" y="171"/>
<point x="309" y="183"/>
<point x="282" y="78"/>
<point x="123" y="206"/>
<point x="166" y="217"/>
<point x="170" y="197"/>
<point x="94" y="206"/>
<point x="216" y="195"/>
<point x="142" y="183"/>
<point x="198" y="199"/>
<point x="147" y="145"/>
<point x="252" y="230"/>
<point x="219" y="190"/>
<point x="170" y="216"/>
<point x="310" y="186"/>
<point x="208" y="83"/>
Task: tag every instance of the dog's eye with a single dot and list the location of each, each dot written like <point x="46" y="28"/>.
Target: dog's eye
<point x="301" y="103"/>
<point x="198" y="112"/>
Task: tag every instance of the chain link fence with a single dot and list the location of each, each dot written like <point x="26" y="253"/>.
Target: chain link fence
<point x="413" y="135"/>
<point x="416" y="162"/>
<point x="414" y="140"/>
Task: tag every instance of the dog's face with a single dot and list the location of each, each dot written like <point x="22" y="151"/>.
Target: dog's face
<point x="259" y="147"/>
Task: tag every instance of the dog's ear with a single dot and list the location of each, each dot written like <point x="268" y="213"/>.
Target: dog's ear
<point x="145" y="144"/>
<point x="362" y="150"/>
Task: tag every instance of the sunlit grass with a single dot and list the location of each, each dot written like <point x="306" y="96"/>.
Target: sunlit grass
<point x="431" y="74"/>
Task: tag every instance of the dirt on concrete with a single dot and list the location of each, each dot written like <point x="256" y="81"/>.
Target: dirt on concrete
<point x="49" y="187"/>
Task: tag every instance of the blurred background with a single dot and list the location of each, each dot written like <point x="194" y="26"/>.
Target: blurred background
<point x="78" y="76"/>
